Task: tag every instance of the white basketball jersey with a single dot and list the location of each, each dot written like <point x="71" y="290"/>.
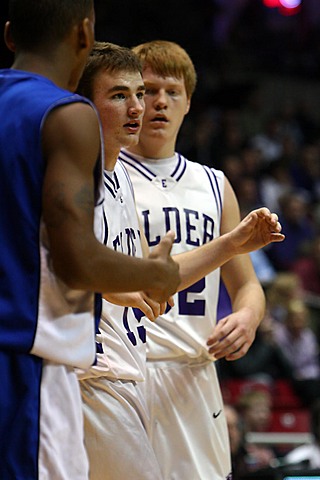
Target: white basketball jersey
<point x="121" y="340"/>
<point x="177" y="194"/>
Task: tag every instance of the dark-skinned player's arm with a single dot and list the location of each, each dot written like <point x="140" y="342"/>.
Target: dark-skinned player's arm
<point x="141" y="300"/>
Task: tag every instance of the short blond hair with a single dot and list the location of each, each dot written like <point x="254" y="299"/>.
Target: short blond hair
<point x="166" y="59"/>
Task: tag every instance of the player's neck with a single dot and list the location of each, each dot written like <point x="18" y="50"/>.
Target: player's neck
<point x="152" y="151"/>
<point x="50" y="67"/>
<point x="110" y="158"/>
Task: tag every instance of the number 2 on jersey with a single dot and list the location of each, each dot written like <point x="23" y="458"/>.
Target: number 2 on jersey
<point x="192" y="307"/>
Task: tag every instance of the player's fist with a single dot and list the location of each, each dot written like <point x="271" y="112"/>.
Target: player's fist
<point x="166" y="267"/>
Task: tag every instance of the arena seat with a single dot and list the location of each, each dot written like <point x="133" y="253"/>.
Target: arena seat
<point x="295" y="420"/>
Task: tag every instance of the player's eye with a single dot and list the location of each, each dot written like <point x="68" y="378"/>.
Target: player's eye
<point x="119" y="96"/>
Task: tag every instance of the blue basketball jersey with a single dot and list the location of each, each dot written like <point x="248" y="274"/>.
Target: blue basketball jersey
<point x="39" y="313"/>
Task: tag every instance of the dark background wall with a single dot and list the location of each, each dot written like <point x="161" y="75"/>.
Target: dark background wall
<point x="236" y="45"/>
<point x="216" y="31"/>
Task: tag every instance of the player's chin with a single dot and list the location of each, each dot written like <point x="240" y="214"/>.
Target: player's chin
<point x="130" y="140"/>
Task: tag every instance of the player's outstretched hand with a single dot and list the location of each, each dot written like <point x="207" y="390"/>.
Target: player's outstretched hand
<point x="169" y="278"/>
<point x="259" y="228"/>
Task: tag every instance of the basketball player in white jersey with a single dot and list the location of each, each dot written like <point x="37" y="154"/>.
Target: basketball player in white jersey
<point x="116" y="416"/>
<point x="188" y="427"/>
<point x="114" y="408"/>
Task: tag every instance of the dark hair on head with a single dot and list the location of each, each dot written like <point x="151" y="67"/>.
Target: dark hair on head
<point x="41" y="23"/>
<point x="108" y="57"/>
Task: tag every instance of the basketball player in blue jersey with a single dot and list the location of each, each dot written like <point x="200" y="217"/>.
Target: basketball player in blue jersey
<point x="188" y="427"/>
<point x="115" y="411"/>
<point x="51" y="258"/>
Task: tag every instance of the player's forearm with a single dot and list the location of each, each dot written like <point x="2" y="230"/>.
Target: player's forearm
<point x="98" y="268"/>
<point x="200" y="261"/>
<point x="250" y="298"/>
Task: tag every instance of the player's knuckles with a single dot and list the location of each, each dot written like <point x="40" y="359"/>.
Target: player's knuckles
<point x="156" y="312"/>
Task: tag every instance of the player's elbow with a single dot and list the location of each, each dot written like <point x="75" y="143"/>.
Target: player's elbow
<point x="71" y="274"/>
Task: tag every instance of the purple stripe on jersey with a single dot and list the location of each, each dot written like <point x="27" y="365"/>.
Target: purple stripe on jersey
<point x="116" y="181"/>
<point x="125" y="171"/>
<point x="177" y="166"/>
<point x="110" y="189"/>
<point x="124" y="157"/>
<point x="215" y="187"/>
<point x="180" y="168"/>
<point x="106" y="229"/>
<point x="110" y="185"/>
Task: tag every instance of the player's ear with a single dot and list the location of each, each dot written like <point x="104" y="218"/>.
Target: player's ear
<point x="8" y="37"/>
<point x="85" y="32"/>
<point x="188" y="106"/>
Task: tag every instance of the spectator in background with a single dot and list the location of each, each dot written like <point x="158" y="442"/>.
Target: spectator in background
<point x="239" y="455"/>
<point x="251" y="161"/>
<point x="275" y="182"/>
<point x="230" y="140"/>
<point x="255" y="409"/>
<point x="269" y="140"/>
<point x="285" y="287"/>
<point x="306" y="171"/>
<point x="298" y="341"/>
<point x="300" y="346"/>
<point x="298" y="227"/>
<point x="248" y="195"/>
<point x="233" y="168"/>
<point x="199" y="139"/>
<point x="307" y="268"/>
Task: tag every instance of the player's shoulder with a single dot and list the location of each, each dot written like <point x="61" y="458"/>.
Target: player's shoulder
<point x="200" y="167"/>
<point x="74" y="119"/>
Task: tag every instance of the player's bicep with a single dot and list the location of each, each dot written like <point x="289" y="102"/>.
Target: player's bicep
<point x="239" y="270"/>
<point x="231" y="211"/>
<point x="71" y="146"/>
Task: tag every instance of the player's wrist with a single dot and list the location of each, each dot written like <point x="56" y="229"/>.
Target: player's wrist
<point x="231" y="244"/>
